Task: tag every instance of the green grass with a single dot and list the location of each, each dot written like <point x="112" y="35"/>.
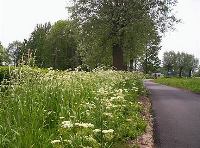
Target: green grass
<point x="70" y="109"/>
<point x="192" y="84"/>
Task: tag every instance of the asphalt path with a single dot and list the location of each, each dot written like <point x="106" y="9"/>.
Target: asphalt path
<point x="176" y="116"/>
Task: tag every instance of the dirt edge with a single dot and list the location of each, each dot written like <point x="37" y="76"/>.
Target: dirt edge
<point x="147" y="139"/>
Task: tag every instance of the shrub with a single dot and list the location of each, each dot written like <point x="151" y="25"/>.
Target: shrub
<point x="5" y="72"/>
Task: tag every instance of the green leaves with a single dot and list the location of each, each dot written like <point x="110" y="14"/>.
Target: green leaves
<point x="182" y="63"/>
<point x="50" y="46"/>
<point x="4" y="57"/>
<point x="61" y="46"/>
<point x="131" y="24"/>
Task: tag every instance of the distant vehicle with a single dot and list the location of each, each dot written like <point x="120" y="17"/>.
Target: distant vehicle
<point x="157" y="75"/>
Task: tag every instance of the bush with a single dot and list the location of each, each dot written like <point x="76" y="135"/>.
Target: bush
<point x="5" y="72"/>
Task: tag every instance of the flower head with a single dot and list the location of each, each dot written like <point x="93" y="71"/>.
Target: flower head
<point x="96" y="130"/>
<point x="85" y="125"/>
<point x="67" y="124"/>
<point x="108" y="131"/>
<point x="55" y="141"/>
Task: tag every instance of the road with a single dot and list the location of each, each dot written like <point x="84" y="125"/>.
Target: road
<point x="177" y="116"/>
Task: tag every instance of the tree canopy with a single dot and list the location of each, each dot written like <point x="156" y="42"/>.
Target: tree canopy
<point x="4" y="57"/>
<point x="120" y="28"/>
<point x="49" y="45"/>
<point x="61" y="46"/>
<point x="14" y="49"/>
<point x="180" y="63"/>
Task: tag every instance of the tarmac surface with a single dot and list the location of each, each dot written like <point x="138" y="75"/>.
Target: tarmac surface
<point x="176" y="116"/>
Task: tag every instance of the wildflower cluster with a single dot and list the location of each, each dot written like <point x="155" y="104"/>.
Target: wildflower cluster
<point x="70" y="109"/>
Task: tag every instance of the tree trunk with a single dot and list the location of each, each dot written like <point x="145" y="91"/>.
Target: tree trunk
<point x="180" y="72"/>
<point x="146" y="63"/>
<point x="55" y="59"/>
<point x="118" y="61"/>
<point x="146" y="67"/>
<point x="135" y="64"/>
<point x="168" y="71"/>
<point x="131" y="65"/>
<point x="190" y="73"/>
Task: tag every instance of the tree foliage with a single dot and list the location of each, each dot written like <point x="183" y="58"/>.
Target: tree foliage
<point x="4" y="57"/>
<point x="150" y="61"/>
<point x="50" y="46"/>
<point x="36" y="43"/>
<point x="180" y="63"/>
<point x="120" y="28"/>
<point x="61" y="46"/>
<point x="14" y="49"/>
<point x="169" y="60"/>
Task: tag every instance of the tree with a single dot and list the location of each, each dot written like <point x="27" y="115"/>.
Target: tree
<point x="169" y="61"/>
<point x="185" y="63"/>
<point x="150" y="61"/>
<point x="34" y="47"/>
<point x="36" y="43"/>
<point x="61" y="46"/>
<point x="180" y="62"/>
<point x="109" y="24"/>
<point x="197" y="73"/>
<point x="14" y="50"/>
<point x="4" y="57"/>
<point x="51" y="46"/>
<point x="192" y="64"/>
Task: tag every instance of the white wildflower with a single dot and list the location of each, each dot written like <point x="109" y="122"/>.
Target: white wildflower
<point x="55" y="141"/>
<point x="96" y="130"/>
<point x="113" y="98"/>
<point x="108" y="114"/>
<point x="68" y="141"/>
<point x="108" y="131"/>
<point x="85" y="125"/>
<point x="102" y="91"/>
<point x="126" y="90"/>
<point x="67" y="124"/>
<point x="89" y="138"/>
<point x="50" y="68"/>
<point x="72" y="116"/>
<point x="135" y="88"/>
<point x="90" y="105"/>
<point x="140" y="103"/>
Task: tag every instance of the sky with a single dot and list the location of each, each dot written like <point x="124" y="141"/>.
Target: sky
<point x="18" y="19"/>
<point x="186" y="37"/>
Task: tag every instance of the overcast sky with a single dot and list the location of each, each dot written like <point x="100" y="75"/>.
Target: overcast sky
<point x="19" y="17"/>
<point x="186" y="37"/>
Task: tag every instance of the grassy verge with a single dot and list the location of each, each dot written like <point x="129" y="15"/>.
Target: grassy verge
<point x="70" y="109"/>
<point x="192" y="84"/>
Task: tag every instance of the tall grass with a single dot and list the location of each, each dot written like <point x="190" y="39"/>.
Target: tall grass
<point x="192" y="84"/>
<point x="69" y="109"/>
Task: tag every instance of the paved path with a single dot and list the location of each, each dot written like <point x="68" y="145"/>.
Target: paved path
<point x="177" y="116"/>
